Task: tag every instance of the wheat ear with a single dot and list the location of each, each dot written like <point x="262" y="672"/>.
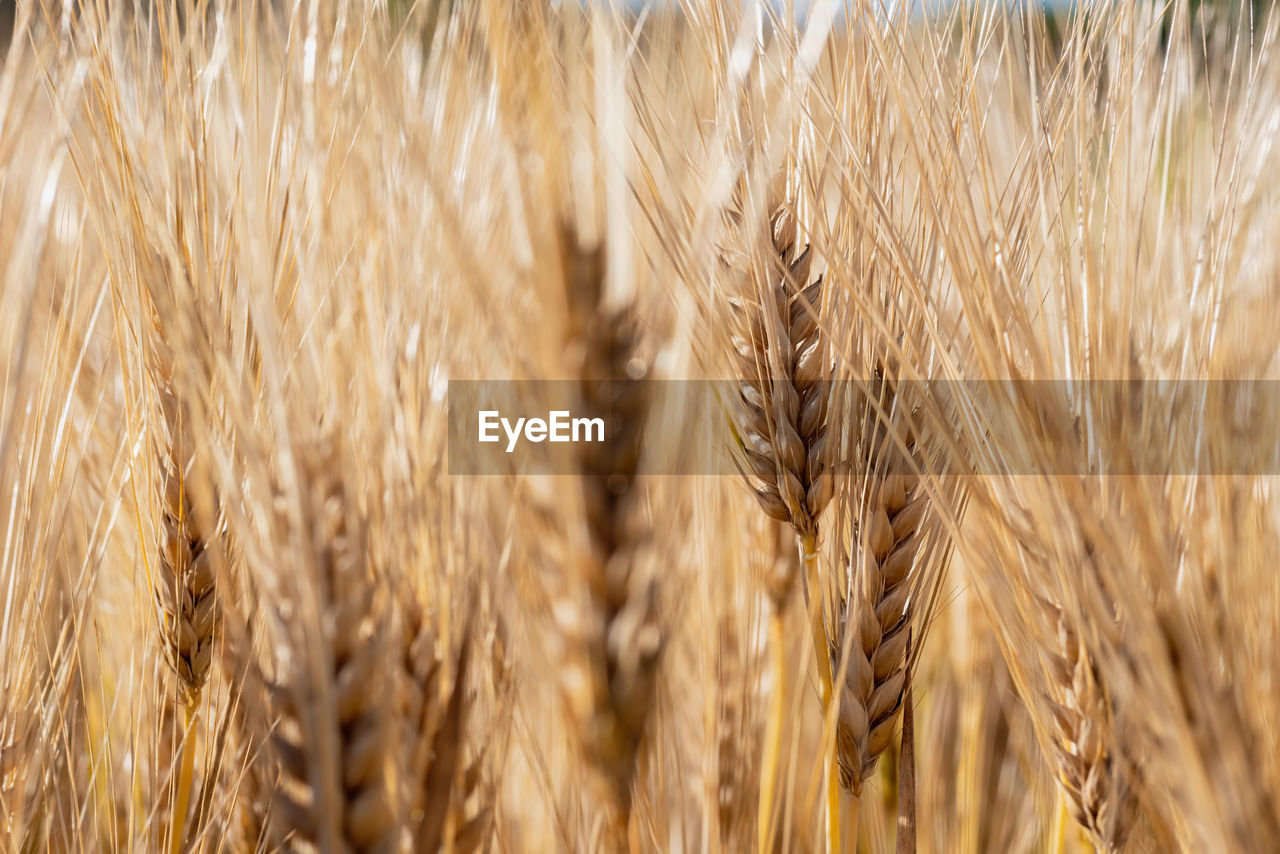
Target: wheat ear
<point x="330" y="746"/>
<point x="887" y="588"/>
<point x="186" y="588"/>
<point x="739" y="663"/>
<point x="186" y="582"/>
<point x="781" y="421"/>
<point x="875" y="616"/>
<point x="434" y="716"/>
<point x="1080" y="717"/>
<point x="1045" y="627"/>
<point x="616" y="643"/>
<point x="783" y="413"/>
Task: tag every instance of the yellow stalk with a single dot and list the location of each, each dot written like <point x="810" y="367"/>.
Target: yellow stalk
<point x="1058" y="844"/>
<point x="826" y="688"/>
<point x="186" y="771"/>
<point x="773" y="732"/>
<point x="854" y="803"/>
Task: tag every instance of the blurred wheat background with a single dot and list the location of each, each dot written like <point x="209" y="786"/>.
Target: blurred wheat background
<point x="244" y="606"/>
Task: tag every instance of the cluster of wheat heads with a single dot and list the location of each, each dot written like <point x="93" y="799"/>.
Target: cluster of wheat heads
<point x="246" y="606"/>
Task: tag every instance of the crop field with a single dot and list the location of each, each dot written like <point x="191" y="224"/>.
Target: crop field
<point x="703" y="426"/>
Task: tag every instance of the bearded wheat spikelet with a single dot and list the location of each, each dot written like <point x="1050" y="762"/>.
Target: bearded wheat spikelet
<point x="783" y="403"/>
<point x="1096" y="791"/>
<point x="735" y="767"/>
<point x="330" y="748"/>
<point x="894" y="522"/>
<point x="877" y="612"/>
<point x="432" y="719"/>
<point x="1081" y="724"/>
<point x="780" y="418"/>
<point x="186" y="589"/>
<point x="876" y="602"/>
<point x="185" y="586"/>
<point x="739" y="661"/>
<point x="615" y="640"/>
<point x="1061" y="677"/>
<point x="1057" y="645"/>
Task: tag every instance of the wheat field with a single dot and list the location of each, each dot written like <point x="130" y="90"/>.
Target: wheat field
<point x="935" y="511"/>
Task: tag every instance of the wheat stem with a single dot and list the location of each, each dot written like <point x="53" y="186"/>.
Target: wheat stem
<point x="177" y="818"/>
<point x="809" y="558"/>
<point x="1058" y="842"/>
<point x="906" y="843"/>
<point x="855" y="803"/>
<point x="773" y="731"/>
